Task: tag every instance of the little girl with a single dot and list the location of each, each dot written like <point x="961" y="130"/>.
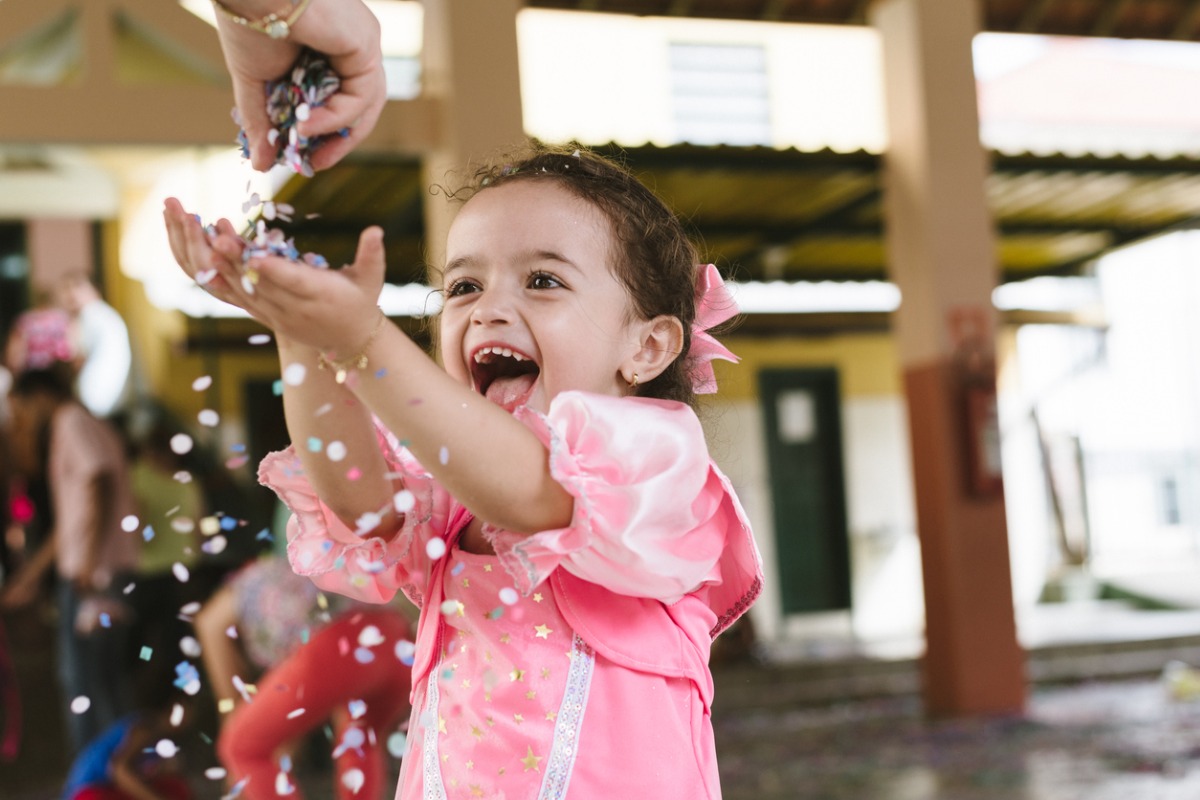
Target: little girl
<point x="547" y="499"/>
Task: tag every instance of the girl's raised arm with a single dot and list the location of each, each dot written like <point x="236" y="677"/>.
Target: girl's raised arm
<point x="334" y="437"/>
<point x="481" y="454"/>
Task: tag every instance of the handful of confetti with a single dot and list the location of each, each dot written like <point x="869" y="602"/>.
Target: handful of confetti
<point x="290" y="100"/>
<point x="262" y="241"/>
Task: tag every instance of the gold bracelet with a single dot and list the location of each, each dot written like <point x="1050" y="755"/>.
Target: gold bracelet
<point x="277" y="25"/>
<point x="341" y="367"/>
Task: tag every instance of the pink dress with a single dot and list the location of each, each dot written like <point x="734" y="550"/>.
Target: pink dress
<point x="574" y="662"/>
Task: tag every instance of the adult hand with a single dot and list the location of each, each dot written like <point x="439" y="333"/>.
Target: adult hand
<point x="347" y="33"/>
<point x="332" y="310"/>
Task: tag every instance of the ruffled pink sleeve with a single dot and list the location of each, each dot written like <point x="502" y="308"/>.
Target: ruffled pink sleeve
<point x="649" y="517"/>
<point x="350" y="561"/>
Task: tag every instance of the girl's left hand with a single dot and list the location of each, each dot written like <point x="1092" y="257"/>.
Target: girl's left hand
<point x="332" y="310"/>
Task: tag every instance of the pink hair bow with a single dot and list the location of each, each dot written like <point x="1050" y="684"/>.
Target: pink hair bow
<point x="714" y="305"/>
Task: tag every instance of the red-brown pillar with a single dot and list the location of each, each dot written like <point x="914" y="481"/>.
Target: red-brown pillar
<point x="942" y="254"/>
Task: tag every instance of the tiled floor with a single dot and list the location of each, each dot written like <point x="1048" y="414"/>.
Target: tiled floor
<point x="1090" y="739"/>
<point x="1097" y="741"/>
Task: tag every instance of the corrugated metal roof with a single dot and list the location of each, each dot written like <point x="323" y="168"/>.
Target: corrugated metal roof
<point x="764" y="214"/>
<point x="1135" y="19"/>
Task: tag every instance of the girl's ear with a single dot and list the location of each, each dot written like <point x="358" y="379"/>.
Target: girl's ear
<point x="661" y="341"/>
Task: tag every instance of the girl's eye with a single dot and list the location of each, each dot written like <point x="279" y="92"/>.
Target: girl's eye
<point x="460" y="287"/>
<point x="543" y="280"/>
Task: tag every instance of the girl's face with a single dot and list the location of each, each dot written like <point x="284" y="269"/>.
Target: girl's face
<point x="532" y="307"/>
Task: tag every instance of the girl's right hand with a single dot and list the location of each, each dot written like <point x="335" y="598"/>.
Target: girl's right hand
<point x="332" y="310"/>
<point x="215" y="264"/>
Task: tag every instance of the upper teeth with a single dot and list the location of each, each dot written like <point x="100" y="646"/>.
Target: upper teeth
<point x="499" y="351"/>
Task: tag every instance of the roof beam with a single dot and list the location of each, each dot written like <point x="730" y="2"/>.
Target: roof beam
<point x="18" y="20"/>
<point x="1109" y="16"/>
<point x="1035" y="12"/>
<point x="1189" y="18"/>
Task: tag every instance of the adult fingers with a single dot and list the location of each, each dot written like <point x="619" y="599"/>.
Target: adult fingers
<point x="252" y="114"/>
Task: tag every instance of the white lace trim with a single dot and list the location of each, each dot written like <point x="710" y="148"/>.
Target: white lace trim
<point x="569" y="722"/>
<point x="431" y="770"/>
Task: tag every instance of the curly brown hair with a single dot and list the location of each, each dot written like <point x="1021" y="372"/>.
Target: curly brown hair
<point x="655" y="260"/>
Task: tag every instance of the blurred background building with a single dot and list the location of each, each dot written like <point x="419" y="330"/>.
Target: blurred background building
<point x="961" y="236"/>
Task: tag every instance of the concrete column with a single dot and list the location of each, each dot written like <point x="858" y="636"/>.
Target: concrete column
<point x="470" y="68"/>
<point x="942" y="254"/>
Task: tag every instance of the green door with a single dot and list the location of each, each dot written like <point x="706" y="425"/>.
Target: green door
<point x="802" y="416"/>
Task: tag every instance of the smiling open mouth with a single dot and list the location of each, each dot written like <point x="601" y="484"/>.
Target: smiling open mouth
<point x="503" y="376"/>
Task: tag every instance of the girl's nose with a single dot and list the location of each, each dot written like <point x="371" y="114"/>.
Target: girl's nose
<point x="494" y="307"/>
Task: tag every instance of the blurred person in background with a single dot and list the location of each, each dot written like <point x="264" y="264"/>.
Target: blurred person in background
<point x="282" y="662"/>
<point x="88" y="480"/>
<point x="105" y="379"/>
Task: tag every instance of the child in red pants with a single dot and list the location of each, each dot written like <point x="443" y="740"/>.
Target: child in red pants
<point x="348" y="673"/>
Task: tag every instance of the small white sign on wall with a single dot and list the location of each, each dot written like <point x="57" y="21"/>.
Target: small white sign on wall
<point x="797" y="413"/>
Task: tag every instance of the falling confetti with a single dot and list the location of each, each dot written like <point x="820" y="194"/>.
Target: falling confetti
<point x="336" y="451"/>
<point x="294" y="374"/>
<point x="353" y="779"/>
<point x="181" y="444"/>
<point x="435" y="548"/>
<point x="508" y="596"/>
<point x="403" y="501"/>
<point x="370" y="636"/>
<point x="209" y="418"/>
<point x="80" y="704"/>
<point x="130" y="523"/>
<point x="166" y="748"/>
<point x="202" y="383"/>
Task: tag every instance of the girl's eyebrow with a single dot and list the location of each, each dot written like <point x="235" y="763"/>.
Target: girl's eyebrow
<point x="551" y="255"/>
<point x="462" y="262"/>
